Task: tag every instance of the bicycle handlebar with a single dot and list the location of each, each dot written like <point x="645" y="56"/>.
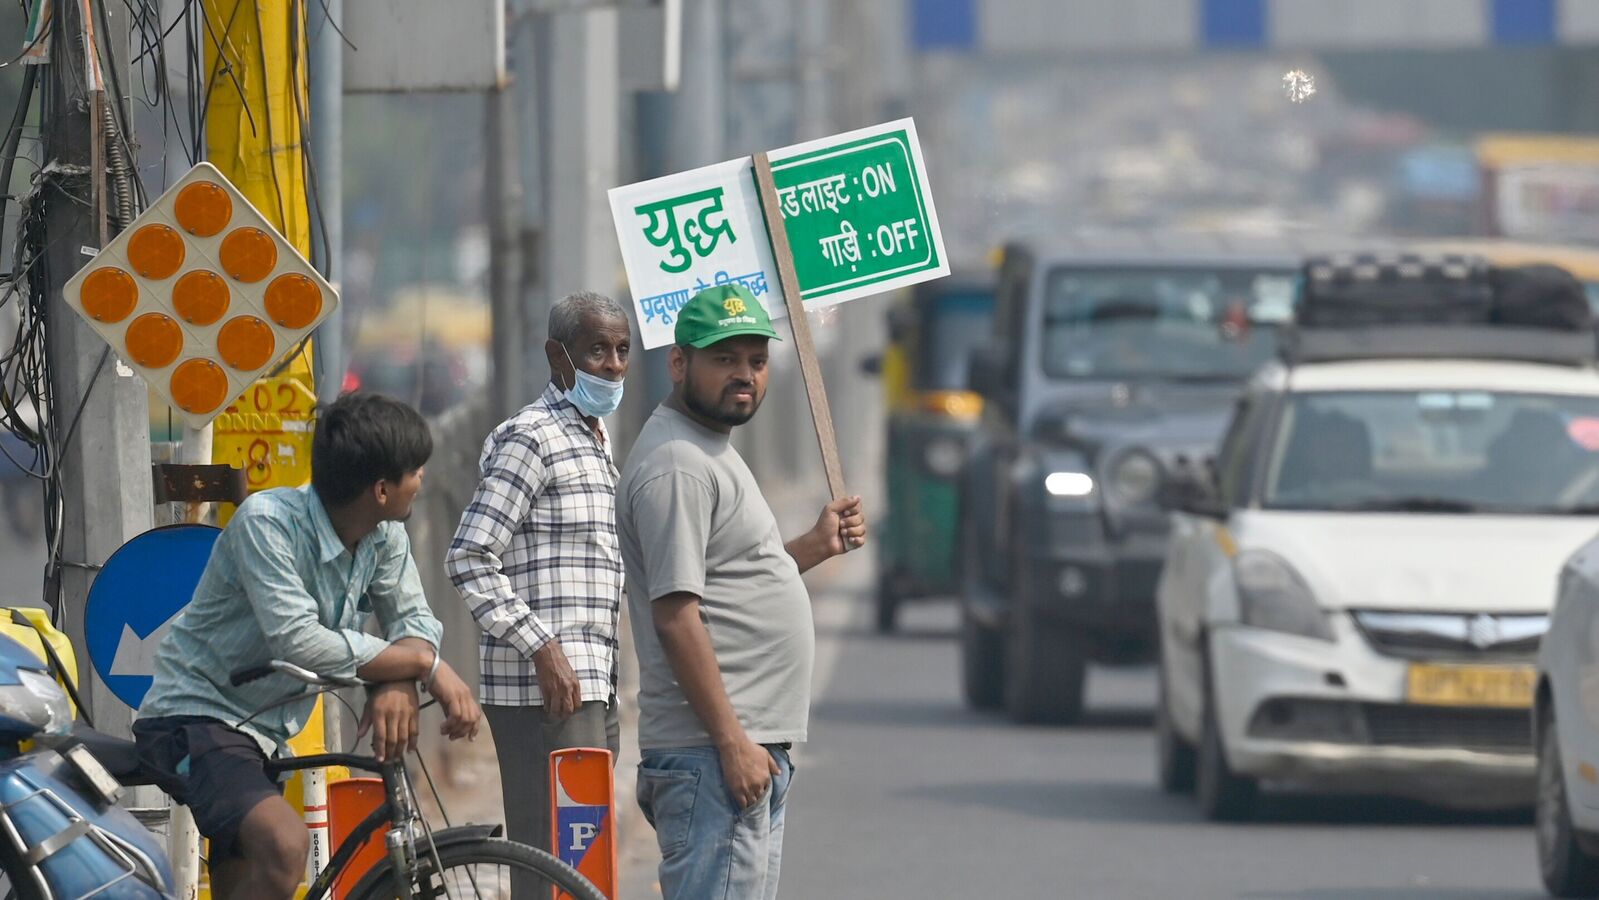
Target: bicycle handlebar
<point x="247" y="674"/>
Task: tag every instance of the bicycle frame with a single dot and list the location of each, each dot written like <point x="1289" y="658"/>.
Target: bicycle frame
<point x="397" y="800"/>
<point x="397" y="809"/>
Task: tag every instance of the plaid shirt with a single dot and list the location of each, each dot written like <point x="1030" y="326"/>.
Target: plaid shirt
<point x="536" y="554"/>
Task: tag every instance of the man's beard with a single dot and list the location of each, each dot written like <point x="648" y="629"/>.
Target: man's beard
<point x="718" y="415"/>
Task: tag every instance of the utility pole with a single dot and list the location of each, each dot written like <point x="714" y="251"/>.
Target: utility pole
<point x="582" y="141"/>
<point x="507" y="389"/>
<point x="100" y="415"/>
<point x="569" y="99"/>
<point x="325" y="81"/>
<point x="693" y="130"/>
<point x="699" y="110"/>
<point x="812" y="51"/>
<point x="529" y="60"/>
<point x="323" y="20"/>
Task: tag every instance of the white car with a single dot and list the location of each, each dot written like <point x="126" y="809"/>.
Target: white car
<point x="1354" y="597"/>
<point x="1566" y="732"/>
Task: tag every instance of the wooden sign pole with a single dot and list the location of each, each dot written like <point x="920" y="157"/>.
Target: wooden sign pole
<point x="810" y="369"/>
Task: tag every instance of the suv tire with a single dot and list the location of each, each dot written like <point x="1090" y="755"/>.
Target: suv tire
<point x="1045" y="671"/>
<point x="982" y="664"/>
<point x="1176" y="762"/>
<point x="1223" y="795"/>
<point x="1566" y="868"/>
<point x="887" y="602"/>
<point x="982" y="650"/>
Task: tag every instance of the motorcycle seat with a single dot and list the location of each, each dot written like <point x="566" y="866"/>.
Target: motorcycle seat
<point x="120" y="757"/>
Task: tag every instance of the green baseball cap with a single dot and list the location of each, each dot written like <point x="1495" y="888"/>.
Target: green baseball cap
<point x="718" y="313"/>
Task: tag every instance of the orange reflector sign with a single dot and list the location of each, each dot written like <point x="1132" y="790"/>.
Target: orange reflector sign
<point x="249" y="254"/>
<point x="202" y="209"/>
<point x="156" y="251"/>
<point x="198" y="385"/>
<point x="109" y="295"/>
<point x="583" y="810"/>
<point x="293" y="300"/>
<point x="201" y="295"/>
<point x="154" y="340"/>
<point x="245" y="343"/>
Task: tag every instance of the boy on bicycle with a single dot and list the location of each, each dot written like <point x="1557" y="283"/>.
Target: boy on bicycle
<point x="293" y="577"/>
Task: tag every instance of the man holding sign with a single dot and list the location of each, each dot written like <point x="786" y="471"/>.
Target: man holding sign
<point x="721" y="619"/>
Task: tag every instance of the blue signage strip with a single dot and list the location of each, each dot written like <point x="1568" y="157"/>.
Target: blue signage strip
<point x="1523" y="21"/>
<point x="944" y="24"/>
<point x="1232" y="23"/>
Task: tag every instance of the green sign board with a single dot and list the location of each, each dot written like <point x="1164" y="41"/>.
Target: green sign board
<point x="859" y="213"/>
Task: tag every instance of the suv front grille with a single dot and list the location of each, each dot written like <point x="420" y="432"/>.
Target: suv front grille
<point x="1469" y="637"/>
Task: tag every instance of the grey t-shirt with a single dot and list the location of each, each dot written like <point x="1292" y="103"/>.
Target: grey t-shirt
<point x="692" y="519"/>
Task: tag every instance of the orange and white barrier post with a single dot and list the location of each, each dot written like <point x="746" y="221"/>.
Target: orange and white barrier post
<point x="583" y="815"/>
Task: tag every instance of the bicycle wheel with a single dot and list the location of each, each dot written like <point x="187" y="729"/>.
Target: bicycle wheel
<point x="482" y="870"/>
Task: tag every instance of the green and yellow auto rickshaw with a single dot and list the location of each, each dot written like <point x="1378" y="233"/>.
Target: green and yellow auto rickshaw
<point x="931" y="416"/>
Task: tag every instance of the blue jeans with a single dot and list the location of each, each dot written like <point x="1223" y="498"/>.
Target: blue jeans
<point x="710" y="849"/>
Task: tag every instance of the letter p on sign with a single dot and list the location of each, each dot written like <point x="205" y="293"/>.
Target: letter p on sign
<point x="583" y="810"/>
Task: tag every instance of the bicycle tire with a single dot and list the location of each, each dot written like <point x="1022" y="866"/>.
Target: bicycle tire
<point x="378" y="884"/>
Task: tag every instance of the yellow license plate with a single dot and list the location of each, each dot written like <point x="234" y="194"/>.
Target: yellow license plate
<point x="1508" y="687"/>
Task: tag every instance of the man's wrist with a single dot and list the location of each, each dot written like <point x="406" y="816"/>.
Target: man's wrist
<point x="811" y="547"/>
<point x="547" y="649"/>
<point x="433" y="672"/>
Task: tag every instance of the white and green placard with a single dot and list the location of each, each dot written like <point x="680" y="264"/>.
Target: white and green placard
<point x="683" y="233"/>
<point x="859" y="213"/>
<point x="856" y="206"/>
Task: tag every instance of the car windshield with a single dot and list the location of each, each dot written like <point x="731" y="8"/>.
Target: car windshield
<point x="953" y="325"/>
<point x="1198" y="324"/>
<point x="1436" y="451"/>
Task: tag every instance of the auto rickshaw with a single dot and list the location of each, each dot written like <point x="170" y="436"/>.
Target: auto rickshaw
<point x="931" y="416"/>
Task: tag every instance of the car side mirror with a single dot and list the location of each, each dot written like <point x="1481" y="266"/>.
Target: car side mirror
<point x="1186" y="491"/>
<point x="872" y="365"/>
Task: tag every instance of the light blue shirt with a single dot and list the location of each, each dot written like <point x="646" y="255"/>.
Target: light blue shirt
<point x="281" y="585"/>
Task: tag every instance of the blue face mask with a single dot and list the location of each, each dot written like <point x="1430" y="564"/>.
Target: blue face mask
<point x="592" y="395"/>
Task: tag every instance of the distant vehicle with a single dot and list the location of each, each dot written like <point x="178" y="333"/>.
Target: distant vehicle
<point x="931" y="418"/>
<point x="1538" y="187"/>
<point x="1356" y="586"/>
<point x="426" y="346"/>
<point x="1108" y="361"/>
<point x="1566" y="734"/>
<point x="434" y="378"/>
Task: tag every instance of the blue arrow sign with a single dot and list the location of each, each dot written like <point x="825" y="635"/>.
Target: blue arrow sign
<point x="136" y="598"/>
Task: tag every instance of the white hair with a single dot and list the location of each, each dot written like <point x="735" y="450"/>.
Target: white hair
<point x="568" y="315"/>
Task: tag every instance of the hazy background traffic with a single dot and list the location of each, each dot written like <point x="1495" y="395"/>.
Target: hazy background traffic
<point x="1036" y="116"/>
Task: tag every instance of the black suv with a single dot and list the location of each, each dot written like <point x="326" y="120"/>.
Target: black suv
<point x="1108" y="365"/>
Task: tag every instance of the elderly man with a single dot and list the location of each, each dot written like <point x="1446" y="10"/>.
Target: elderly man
<point x="720" y="616"/>
<point x="537" y="560"/>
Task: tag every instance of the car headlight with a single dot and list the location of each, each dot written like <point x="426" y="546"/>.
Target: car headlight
<point x="37" y="701"/>
<point x="1069" y="484"/>
<point x="944" y="457"/>
<point x="1272" y="595"/>
<point x="1135" y="477"/>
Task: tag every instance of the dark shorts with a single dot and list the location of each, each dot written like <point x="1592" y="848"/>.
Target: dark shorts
<point x="217" y="771"/>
